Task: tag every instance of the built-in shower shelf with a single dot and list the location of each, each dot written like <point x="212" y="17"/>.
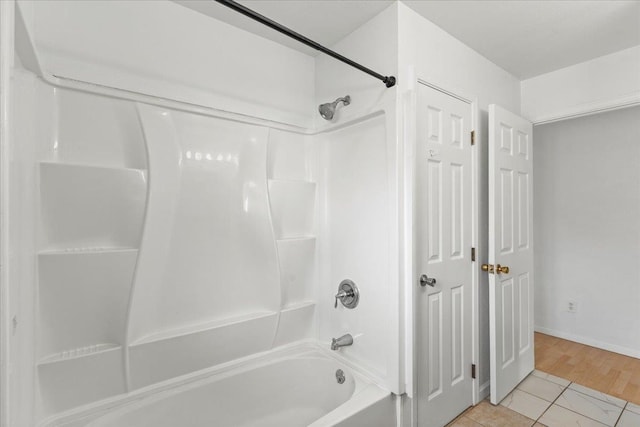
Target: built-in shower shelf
<point x="180" y="351"/>
<point x="299" y="305"/>
<point x="77" y="353"/>
<point x="89" y="167"/>
<point x="91" y="206"/>
<point x="83" y="300"/>
<point x="202" y="327"/>
<point x="293" y="181"/>
<point x="89" y="375"/>
<point x="87" y="250"/>
<point x="297" y="239"/>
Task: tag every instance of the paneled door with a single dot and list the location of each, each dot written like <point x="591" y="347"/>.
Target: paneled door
<point x="510" y="265"/>
<point x="443" y="225"/>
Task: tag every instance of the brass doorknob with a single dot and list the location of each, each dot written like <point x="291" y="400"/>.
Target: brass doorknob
<point x="491" y="269"/>
<point x="502" y="269"/>
<point x="488" y="268"/>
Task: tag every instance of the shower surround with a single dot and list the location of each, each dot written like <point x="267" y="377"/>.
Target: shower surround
<point x="170" y="236"/>
<point x="153" y="266"/>
<point x="172" y="243"/>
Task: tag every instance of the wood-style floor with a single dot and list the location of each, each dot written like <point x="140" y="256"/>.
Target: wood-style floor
<point x="602" y="370"/>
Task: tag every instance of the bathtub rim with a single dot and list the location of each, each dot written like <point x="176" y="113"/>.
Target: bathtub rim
<point x="365" y="383"/>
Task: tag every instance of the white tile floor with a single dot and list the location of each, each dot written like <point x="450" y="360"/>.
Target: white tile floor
<point x="556" y="402"/>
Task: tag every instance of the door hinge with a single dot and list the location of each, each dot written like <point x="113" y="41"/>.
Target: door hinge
<point x="473" y="137"/>
<point x="473" y="371"/>
<point x="473" y="254"/>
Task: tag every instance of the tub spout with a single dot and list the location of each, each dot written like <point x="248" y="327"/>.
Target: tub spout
<point x="343" y="341"/>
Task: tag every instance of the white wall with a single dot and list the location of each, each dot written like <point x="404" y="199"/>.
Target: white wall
<point x="440" y="59"/>
<point x="166" y="50"/>
<point x="602" y="83"/>
<point x="374" y="45"/>
<point x="587" y="228"/>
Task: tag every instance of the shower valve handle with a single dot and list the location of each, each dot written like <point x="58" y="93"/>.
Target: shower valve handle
<point x="339" y="296"/>
<point x="348" y="294"/>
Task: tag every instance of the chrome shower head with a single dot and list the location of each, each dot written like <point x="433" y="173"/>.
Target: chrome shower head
<point x="328" y="110"/>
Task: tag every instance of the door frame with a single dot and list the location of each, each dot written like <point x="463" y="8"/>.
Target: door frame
<point x="7" y="10"/>
<point x="410" y="141"/>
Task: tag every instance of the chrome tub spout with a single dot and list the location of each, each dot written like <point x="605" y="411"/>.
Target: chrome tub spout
<point x="343" y="341"/>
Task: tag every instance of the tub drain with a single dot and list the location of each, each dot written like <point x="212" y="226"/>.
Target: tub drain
<point x="340" y="376"/>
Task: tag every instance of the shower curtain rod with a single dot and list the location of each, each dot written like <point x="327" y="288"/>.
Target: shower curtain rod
<point x="389" y="81"/>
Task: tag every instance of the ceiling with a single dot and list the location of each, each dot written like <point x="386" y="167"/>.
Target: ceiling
<point x="323" y="21"/>
<point x="526" y="38"/>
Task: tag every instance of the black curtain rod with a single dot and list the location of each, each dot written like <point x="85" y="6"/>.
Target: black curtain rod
<point x="389" y="81"/>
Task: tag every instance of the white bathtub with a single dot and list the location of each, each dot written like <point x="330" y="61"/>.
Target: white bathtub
<point x="297" y="389"/>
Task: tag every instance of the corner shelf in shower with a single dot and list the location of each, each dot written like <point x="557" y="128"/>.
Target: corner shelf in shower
<point x="86" y="250"/>
<point x="67" y="382"/>
<point x="78" y="353"/>
<point x="92" y="166"/>
<point x="91" y="206"/>
<point x="297" y="239"/>
<point x="299" y="305"/>
<point x="292" y="181"/>
<point x="91" y="223"/>
<point x="83" y="300"/>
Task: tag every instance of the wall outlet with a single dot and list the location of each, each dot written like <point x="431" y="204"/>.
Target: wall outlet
<point x="572" y="306"/>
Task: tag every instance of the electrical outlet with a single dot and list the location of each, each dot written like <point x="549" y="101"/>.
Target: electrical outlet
<point x="572" y="306"/>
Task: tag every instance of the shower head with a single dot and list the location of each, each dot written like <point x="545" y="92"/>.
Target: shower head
<point x="328" y="110"/>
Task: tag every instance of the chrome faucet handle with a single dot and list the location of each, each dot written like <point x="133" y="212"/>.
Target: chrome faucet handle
<point x="348" y="294"/>
<point x="339" y="296"/>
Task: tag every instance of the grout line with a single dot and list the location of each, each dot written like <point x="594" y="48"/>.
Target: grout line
<point x="513" y="410"/>
<point x="531" y="394"/>
<point x="624" y="408"/>
<point x="554" y="401"/>
<point x="601" y="392"/>
<point x="586" y="416"/>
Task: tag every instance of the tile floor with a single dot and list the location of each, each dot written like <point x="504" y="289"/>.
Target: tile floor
<point x="546" y="400"/>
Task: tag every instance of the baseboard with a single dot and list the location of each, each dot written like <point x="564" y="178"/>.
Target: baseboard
<point x="589" y="341"/>
<point x="483" y="393"/>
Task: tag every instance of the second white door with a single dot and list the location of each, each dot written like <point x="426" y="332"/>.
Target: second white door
<point x="510" y="251"/>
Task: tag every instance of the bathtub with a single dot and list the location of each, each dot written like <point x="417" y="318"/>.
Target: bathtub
<point x="293" y="390"/>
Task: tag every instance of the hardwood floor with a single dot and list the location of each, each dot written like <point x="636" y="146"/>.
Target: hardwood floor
<point x="602" y="370"/>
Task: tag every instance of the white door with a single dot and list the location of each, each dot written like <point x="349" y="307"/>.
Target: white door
<point x="443" y="253"/>
<point x="510" y="248"/>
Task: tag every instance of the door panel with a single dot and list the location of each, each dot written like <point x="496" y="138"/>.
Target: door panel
<point x="510" y="244"/>
<point x="443" y="242"/>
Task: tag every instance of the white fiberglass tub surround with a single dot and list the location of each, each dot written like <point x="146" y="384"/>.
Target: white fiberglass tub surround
<point x="173" y="247"/>
<point x="186" y="258"/>
<point x="297" y="388"/>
